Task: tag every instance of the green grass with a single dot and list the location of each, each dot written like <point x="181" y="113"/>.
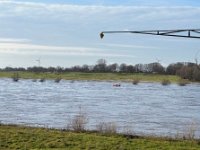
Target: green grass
<point x="19" y="137"/>
<point x="96" y="76"/>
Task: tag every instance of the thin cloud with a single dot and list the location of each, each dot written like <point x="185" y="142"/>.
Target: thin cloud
<point x="13" y="40"/>
<point x="66" y="11"/>
<point x="29" y="47"/>
<point x="33" y="49"/>
<point x="129" y="46"/>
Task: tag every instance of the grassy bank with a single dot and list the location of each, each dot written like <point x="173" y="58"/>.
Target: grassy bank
<point x="95" y="76"/>
<point x="18" y="137"/>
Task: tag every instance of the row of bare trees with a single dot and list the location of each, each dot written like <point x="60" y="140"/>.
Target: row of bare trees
<point x="187" y="70"/>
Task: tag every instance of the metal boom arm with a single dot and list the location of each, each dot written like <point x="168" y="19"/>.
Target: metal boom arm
<point x="185" y="33"/>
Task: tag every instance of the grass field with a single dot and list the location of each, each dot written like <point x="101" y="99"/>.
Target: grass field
<point x="19" y="137"/>
<point x="95" y="76"/>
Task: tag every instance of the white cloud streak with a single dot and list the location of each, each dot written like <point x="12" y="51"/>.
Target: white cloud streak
<point x="30" y="49"/>
<point x="129" y="46"/>
<point x="12" y="40"/>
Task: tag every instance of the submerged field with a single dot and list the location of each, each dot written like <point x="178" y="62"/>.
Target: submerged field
<point x="95" y="76"/>
<point x="18" y="137"/>
<point x="146" y="108"/>
<point x="26" y="98"/>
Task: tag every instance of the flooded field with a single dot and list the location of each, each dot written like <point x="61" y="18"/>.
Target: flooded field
<point x="146" y="108"/>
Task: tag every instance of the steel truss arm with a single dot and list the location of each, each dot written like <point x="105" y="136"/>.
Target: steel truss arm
<point x="185" y="33"/>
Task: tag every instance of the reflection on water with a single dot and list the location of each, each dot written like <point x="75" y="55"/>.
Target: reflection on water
<point x="149" y="107"/>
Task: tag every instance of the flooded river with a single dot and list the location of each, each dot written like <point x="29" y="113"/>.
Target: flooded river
<point x="146" y="108"/>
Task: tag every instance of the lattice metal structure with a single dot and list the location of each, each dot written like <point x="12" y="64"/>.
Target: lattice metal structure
<point x="184" y="33"/>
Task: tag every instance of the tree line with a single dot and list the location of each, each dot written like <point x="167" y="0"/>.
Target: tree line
<point x="186" y="70"/>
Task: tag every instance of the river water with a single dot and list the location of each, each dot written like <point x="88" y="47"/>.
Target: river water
<point x="146" y="108"/>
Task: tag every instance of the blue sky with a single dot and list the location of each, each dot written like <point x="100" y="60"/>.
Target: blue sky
<point x="66" y="33"/>
<point x="125" y="2"/>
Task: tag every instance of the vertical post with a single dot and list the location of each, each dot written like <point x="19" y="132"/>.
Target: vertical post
<point x="188" y="33"/>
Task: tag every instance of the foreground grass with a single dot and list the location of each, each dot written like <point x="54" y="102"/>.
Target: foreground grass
<point x="18" y="137"/>
<point x="95" y="76"/>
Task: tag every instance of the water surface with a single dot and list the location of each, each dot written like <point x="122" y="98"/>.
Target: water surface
<point x="146" y="108"/>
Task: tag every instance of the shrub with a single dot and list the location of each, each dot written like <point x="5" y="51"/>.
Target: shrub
<point x="136" y="81"/>
<point x="42" y="80"/>
<point x="107" y="128"/>
<point x="57" y="80"/>
<point x="183" y="82"/>
<point x="185" y="72"/>
<point x="128" y="130"/>
<point x="78" y="123"/>
<point x="196" y="74"/>
<point x="190" y="131"/>
<point x="15" y="77"/>
<point x="34" y="80"/>
<point x="165" y="82"/>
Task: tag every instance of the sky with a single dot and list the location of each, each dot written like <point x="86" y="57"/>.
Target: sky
<point x="66" y="33"/>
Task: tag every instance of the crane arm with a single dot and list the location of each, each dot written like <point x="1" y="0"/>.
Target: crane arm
<point x="185" y="33"/>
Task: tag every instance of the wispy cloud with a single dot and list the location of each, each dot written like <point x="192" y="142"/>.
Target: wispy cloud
<point x="129" y="46"/>
<point x="14" y="46"/>
<point x="66" y="11"/>
<point x="13" y="40"/>
<point x="28" y="47"/>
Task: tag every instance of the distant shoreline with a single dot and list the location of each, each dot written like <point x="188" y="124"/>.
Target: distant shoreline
<point x="120" y="77"/>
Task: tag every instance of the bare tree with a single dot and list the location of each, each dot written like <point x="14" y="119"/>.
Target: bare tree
<point x="100" y="66"/>
<point x="196" y="60"/>
<point x="123" y="67"/>
<point x="112" y="67"/>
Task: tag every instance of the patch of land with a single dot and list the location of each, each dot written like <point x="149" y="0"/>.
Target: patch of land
<point x="95" y="76"/>
<point x="20" y="137"/>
